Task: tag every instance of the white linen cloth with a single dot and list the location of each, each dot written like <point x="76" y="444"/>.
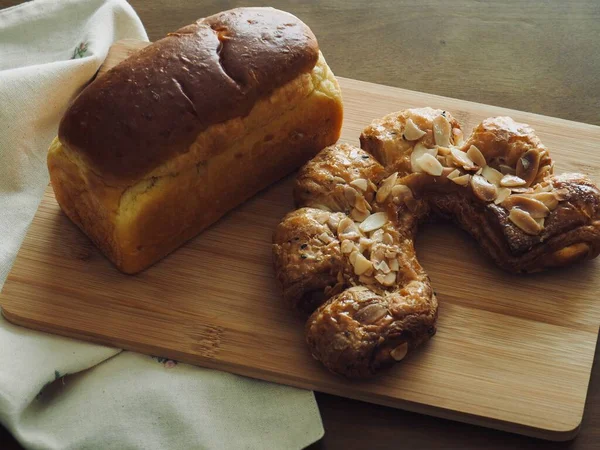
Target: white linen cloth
<point x="58" y="393"/>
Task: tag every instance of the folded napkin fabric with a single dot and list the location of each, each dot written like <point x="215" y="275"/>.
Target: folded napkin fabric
<point x="58" y="393"/>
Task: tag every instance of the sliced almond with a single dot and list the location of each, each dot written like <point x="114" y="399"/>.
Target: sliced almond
<point x="476" y="156"/>
<point x="325" y="238"/>
<point x="524" y="221"/>
<point x="371" y="313"/>
<point x="520" y="190"/>
<point x="544" y="172"/>
<point x="361" y="264"/>
<point x="455" y="173"/>
<point x="387" y="239"/>
<point x="507" y="170"/>
<point x="458" y="136"/>
<point x="492" y="175"/>
<point x="463" y="180"/>
<point x="390" y="254"/>
<point x="386" y="187"/>
<point x="430" y="165"/>
<point x="483" y="189"/>
<point x="418" y="151"/>
<point x="339" y="180"/>
<point x="511" y="181"/>
<point x="400" y="193"/>
<point x="389" y="279"/>
<point x="444" y="151"/>
<point x="528" y="166"/>
<point x="442" y="131"/>
<point x="447" y="170"/>
<point x="543" y="187"/>
<point x="412" y="132"/>
<point x="321" y="216"/>
<point x="378" y="254"/>
<point x="347" y="246"/>
<point x="361" y="204"/>
<point x="347" y="229"/>
<point x="541" y="221"/>
<point x="360" y="183"/>
<point x="364" y="244"/>
<point x="382" y="267"/>
<point x="547" y="198"/>
<point x="460" y="158"/>
<point x="373" y="222"/>
<point x="534" y="207"/>
<point x="334" y="220"/>
<point x="350" y="194"/>
<point x="359" y="216"/>
<point x="400" y="352"/>
<point x="353" y="256"/>
<point x="393" y="265"/>
<point x="377" y="235"/>
<point x="503" y="194"/>
<point x="380" y="277"/>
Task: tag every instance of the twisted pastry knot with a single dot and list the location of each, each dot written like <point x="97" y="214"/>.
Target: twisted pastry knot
<point x="347" y="256"/>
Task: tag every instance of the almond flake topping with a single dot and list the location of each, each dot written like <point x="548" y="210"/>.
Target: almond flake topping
<point x="463" y="180"/>
<point x="547" y="198"/>
<point x="455" y="173"/>
<point x="347" y="229"/>
<point x="503" y="194"/>
<point x="347" y="246"/>
<point x="534" y="207"/>
<point x="360" y="183"/>
<point x="430" y="165"/>
<point x="400" y="352"/>
<point x="373" y="222"/>
<point x="418" y="151"/>
<point x="483" y="189"/>
<point x="512" y="181"/>
<point x="386" y="187"/>
<point x="361" y="264"/>
<point x="492" y="175"/>
<point x="476" y="156"/>
<point x="442" y="131"/>
<point x="460" y="158"/>
<point x="412" y="132"/>
<point x="524" y="221"/>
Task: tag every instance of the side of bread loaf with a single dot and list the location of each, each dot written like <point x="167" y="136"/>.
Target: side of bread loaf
<point x="140" y="187"/>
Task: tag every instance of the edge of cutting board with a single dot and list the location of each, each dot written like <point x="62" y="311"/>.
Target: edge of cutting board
<point x="556" y="435"/>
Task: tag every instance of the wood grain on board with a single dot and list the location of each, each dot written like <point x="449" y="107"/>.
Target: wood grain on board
<point x="513" y="353"/>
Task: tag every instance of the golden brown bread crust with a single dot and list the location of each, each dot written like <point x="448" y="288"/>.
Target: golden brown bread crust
<point x="364" y="319"/>
<point x="154" y="104"/>
<point x="135" y="222"/>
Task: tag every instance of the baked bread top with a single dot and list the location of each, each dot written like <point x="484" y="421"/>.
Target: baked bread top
<point x="154" y="104"/>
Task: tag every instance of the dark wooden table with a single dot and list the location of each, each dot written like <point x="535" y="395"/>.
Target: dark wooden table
<point x="540" y="56"/>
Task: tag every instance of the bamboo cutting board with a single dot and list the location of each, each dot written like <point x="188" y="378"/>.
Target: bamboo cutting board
<point x="511" y="352"/>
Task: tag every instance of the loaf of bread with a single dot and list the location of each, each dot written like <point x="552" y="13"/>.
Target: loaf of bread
<point x="168" y="141"/>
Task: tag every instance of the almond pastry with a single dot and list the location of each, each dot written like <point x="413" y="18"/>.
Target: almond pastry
<point x="498" y="185"/>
